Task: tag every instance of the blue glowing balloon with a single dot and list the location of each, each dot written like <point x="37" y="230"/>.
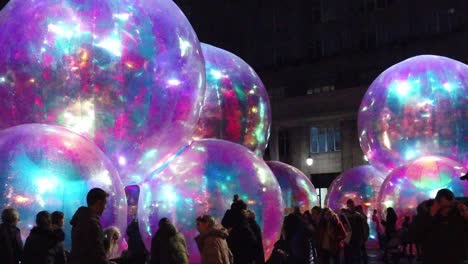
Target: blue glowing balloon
<point x="51" y="168"/>
<point x="296" y="188"/>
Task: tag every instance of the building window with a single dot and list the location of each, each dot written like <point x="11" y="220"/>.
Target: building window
<point x="325" y="139"/>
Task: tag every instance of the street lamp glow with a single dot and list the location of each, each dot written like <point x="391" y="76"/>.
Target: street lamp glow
<point x="309" y="161"/>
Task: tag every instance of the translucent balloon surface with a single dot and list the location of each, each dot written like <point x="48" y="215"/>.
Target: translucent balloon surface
<point x="51" y="168"/>
<point x="296" y="188"/>
<point x="203" y="179"/>
<point x="415" y="108"/>
<point x="236" y="105"/>
<point x="361" y="184"/>
<point x="409" y="185"/>
<point x="127" y="73"/>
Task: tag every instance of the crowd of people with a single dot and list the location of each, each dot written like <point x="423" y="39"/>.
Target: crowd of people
<point x="438" y="233"/>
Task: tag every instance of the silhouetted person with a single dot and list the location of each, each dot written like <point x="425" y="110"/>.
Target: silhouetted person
<point x="59" y="253"/>
<point x="11" y="245"/>
<point x="212" y="242"/>
<point x="353" y="250"/>
<point x="241" y="241"/>
<point x="297" y="235"/>
<point x="168" y="245"/>
<point x="331" y="235"/>
<point x="137" y="253"/>
<point x="38" y="248"/>
<point x="440" y="226"/>
<point x="87" y="235"/>
<point x="364" y="256"/>
<point x="259" y="253"/>
<point x="228" y="218"/>
<point x="390" y="223"/>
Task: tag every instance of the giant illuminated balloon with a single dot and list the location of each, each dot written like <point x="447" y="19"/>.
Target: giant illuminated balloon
<point x="127" y="73"/>
<point x="202" y="180"/>
<point x="409" y="185"/>
<point x="44" y="167"/>
<point x="415" y="108"/>
<point x="236" y="105"/>
<point x="296" y="188"/>
<point x="361" y="184"/>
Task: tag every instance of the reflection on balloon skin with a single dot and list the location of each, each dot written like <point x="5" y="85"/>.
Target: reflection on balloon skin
<point x="51" y="168"/>
<point x="415" y="108"/>
<point x="202" y="180"/>
<point x="236" y="105"/>
<point x="296" y="188"/>
<point x="127" y="73"/>
<point x="362" y="185"/>
<point x="409" y="185"/>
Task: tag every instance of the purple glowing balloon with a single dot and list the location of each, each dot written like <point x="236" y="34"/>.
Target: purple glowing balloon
<point x="45" y="167"/>
<point x="415" y="108"/>
<point x="409" y="185"/>
<point x="296" y="188"/>
<point x="361" y="184"/>
<point x="202" y="180"/>
<point x="236" y="105"/>
<point x="127" y="73"/>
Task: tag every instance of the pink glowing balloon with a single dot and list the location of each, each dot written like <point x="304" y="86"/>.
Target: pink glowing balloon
<point x="409" y="185"/>
<point x="236" y="105"/>
<point x="361" y="184"/>
<point x="202" y="180"/>
<point x="127" y="73"/>
<point x="296" y="188"/>
<point x="45" y="167"/>
<point x="415" y="108"/>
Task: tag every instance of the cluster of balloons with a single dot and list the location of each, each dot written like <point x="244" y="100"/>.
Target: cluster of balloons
<point x="412" y="129"/>
<point x="114" y="93"/>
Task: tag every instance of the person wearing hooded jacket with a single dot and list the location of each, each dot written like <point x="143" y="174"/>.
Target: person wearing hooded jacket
<point x="211" y="242"/>
<point x="11" y="245"/>
<point x="39" y="245"/>
<point x="168" y="245"/>
<point x="440" y="226"/>
<point x="87" y="235"/>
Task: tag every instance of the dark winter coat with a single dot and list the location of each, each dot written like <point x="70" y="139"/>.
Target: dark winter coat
<point x="137" y="253"/>
<point x="259" y="253"/>
<point x="359" y="228"/>
<point x="242" y="241"/>
<point x="213" y="247"/>
<point x="58" y="251"/>
<point x="11" y="245"/>
<point x="298" y="235"/>
<point x="38" y="248"/>
<point x="87" y="238"/>
<point x="443" y="238"/>
<point x="168" y="246"/>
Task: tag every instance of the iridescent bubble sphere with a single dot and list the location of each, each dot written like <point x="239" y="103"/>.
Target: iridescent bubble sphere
<point x="236" y="105"/>
<point x="45" y="167"/>
<point x="409" y="185"/>
<point x="127" y="73"/>
<point x="362" y="185"/>
<point x="202" y="180"/>
<point x="415" y="108"/>
<point x="296" y="188"/>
